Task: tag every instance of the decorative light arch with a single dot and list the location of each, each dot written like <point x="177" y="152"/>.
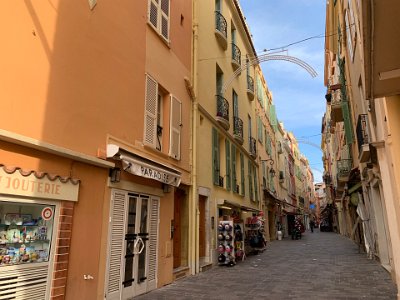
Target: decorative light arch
<point x="266" y="57"/>
<point x="301" y="141"/>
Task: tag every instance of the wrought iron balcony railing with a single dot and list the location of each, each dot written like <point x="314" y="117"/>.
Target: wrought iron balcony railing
<point x="223" y="111"/>
<point x="363" y="138"/>
<point x="236" y="56"/>
<point x="253" y="147"/>
<point x="344" y="167"/>
<point x="250" y="87"/>
<point x="238" y="129"/>
<point x="221" y="29"/>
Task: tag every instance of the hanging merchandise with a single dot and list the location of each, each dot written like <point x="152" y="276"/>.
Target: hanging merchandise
<point x="255" y="239"/>
<point x="226" y="240"/>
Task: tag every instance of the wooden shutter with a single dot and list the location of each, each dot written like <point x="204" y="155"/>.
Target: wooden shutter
<point x="255" y="183"/>
<point x="228" y="164"/>
<point x="153" y="245"/>
<point x="175" y="128"/>
<point x="233" y="157"/>
<point x="153" y="12"/>
<point x="251" y="196"/>
<point x="348" y="130"/>
<point x="116" y="244"/>
<point x="242" y="183"/>
<point x="164" y="29"/>
<point x="215" y="156"/>
<point x="150" y="118"/>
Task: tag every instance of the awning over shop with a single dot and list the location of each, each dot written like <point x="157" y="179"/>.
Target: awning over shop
<point x="223" y="202"/>
<point x="144" y="167"/>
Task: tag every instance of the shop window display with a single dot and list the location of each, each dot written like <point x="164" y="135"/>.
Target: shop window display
<point x="25" y="232"/>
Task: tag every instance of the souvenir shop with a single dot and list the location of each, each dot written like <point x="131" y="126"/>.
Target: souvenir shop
<point x="240" y="233"/>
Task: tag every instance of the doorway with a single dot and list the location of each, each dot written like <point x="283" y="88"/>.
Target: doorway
<point x="132" y="268"/>
<point x="202" y="227"/>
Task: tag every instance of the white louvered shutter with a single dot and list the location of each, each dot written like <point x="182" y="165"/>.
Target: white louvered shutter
<point x="175" y="128"/>
<point x="150" y="118"/>
<point x="164" y="29"/>
<point x="153" y="245"/>
<point x="116" y="245"/>
<point x="153" y="12"/>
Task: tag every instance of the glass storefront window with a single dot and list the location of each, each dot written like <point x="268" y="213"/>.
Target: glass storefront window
<point x="25" y="232"/>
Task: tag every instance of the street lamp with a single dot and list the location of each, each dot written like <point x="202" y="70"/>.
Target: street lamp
<point x="271" y="162"/>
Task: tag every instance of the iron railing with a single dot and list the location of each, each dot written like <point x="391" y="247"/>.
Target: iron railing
<point x="238" y="127"/>
<point x="344" y="167"/>
<point x="236" y="54"/>
<point x="363" y="137"/>
<point x="220" y="24"/>
<point x="253" y="147"/>
<point x="250" y="84"/>
<point x="222" y="108"/>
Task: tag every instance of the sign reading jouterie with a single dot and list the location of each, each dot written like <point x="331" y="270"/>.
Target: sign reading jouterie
<point x="14" y="183"/>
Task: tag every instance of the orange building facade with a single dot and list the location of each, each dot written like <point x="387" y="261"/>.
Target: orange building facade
<point x="94" y="147"/>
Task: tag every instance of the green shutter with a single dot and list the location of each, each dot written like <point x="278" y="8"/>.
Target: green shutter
<point x="250" y="170"/>
<point x="233" y="157"/>
<point x="215" y="156"/>
<point x="348" y="130"/>
<point x="273" y="119"/>
<point x="255" y="183"/>
<point x="242" y="185"/>
<point x="266" y="138"/>
<point x="228" y="164"/>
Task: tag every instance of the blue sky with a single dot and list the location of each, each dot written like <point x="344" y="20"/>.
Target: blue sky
<point x="298" y="97"/>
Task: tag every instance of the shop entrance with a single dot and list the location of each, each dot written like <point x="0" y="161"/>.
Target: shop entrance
<point x="202" y="226"/>
<point x="133" y="245"/>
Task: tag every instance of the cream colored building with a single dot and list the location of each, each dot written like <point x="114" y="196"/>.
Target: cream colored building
<point x="225" y="147"/>
<point x="362" y="74"/>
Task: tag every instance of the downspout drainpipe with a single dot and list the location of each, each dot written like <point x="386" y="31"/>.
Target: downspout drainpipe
<point x="194" y="215"/>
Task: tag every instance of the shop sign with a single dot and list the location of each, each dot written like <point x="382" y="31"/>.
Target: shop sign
<point x="151" y="172"/>
<point x="31" y="186"/>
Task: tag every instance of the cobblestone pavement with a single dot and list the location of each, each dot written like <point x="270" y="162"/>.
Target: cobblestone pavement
<point x="322" y="265"/>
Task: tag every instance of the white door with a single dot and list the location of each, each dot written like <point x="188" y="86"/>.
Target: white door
<point x="138" y="254"/>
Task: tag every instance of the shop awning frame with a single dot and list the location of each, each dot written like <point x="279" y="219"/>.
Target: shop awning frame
<point x="141" y="166"/>
<point x="221" y="202"/>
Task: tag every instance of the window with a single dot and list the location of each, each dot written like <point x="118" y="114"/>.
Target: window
<point x="219" y="80"/>
<point x="25" y="232"/>
<point x="158" y="17"/>
<point x="156" y="96"/>
<point x="218" y="5"/>
<point x="235" y="105"/>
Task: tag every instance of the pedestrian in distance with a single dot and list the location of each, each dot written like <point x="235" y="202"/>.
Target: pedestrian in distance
<point x="312" y="224"/>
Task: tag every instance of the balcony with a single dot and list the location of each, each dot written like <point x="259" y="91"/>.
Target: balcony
<point x="343" y="169"/>
<point x="252" y="147"/>
<point x="223" y="112"/>
<point x="236" y="57"/>
<point x="250" y="87"/>
<point x="363" y="138"/>
<point x="336" y="106"/>
<point x="238" y="130"/>
<point x="221" y="30"/>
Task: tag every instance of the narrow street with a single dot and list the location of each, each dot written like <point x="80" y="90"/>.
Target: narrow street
<point x="322" y="265"/>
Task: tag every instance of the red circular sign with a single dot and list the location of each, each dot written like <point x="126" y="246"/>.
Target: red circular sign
<point x="47" y="213"/>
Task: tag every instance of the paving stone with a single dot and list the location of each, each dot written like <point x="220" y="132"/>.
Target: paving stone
<point x="322" y="265"/>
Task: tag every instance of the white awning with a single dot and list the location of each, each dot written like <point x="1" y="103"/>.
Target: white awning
<point x="143" y="167"/>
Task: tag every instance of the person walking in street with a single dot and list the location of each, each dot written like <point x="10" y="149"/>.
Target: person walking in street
<point x="312" y="224"/>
